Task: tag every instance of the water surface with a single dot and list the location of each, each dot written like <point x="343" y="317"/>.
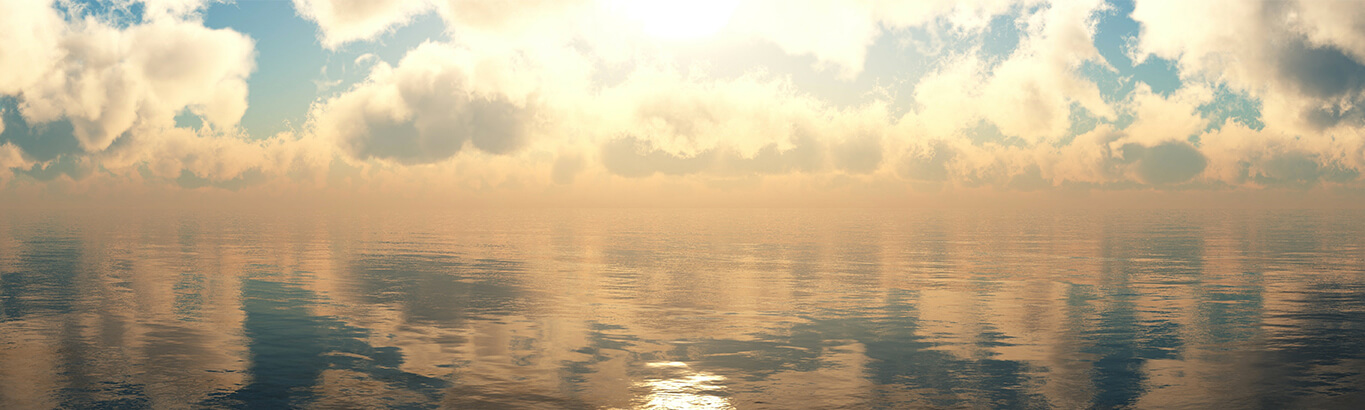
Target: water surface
<point x="683" y="309"/>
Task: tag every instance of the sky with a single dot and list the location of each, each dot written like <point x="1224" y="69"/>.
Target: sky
<point x="703" y="102"/>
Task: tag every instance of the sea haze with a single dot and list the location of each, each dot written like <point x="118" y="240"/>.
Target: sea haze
<point x="683" y="309"/>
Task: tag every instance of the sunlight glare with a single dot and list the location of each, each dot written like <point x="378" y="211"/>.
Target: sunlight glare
<point x="681" y="19"/>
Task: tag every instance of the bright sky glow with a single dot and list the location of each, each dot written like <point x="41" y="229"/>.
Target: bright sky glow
<point x="681" y="19"/>
<point x="723" y="102"/>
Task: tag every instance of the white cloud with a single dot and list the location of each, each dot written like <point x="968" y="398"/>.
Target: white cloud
<point x="517" y="23"/>
<point x="171" y="9"/>
<point x="674" y="122"/>
<point x="1029" y="94"/>
<point x="442" y="98"/>
<point x="25" y="62"/>
<point x="1175" y="117"/>
<point x="684" y="124"/>
<point x="106" y="80"/>
<point x="574" y="95"/>
<point x="438" y="98"/>
<point x="1332" y="23"/>
<point x="845" y="30"/>
<point x="1304" y="59"/>
<point x="838" y="33"/>
<point x="344" y="21"/>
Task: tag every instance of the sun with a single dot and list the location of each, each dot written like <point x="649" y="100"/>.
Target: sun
<point x="681" y="19"/>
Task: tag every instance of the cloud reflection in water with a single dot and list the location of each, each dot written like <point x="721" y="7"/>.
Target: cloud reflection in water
<point x="683" y="309"/>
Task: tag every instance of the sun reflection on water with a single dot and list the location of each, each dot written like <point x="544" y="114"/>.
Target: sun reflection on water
<point x="677" y="386"/>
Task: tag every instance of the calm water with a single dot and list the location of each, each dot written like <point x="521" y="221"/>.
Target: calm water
<point x="683" y="309"/>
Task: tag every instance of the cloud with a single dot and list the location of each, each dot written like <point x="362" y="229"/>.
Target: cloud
<point x="11" y="157"/>
<point x="343" y="21"/>
<point x="95" y="101"/>
<point x="538" y="96"/>
<point x="1027" y="95"/>
<point x="1102" y="158"/>
<point x="1267" y="158"/>
<point x="507" y="24"/>
<point x="107" y="80"/>
<point x="1173" y="117"/>
<point x="846" y="29"/>
<point x="859" y="154"/>
<point x="928" y="162"/>
<point x="838" y="33"/>
<point x="525" y="22"/>
<point x="26" y="62"/>
<point x="660" y="121"/>
<point x="435" y="101"/>
<point x="171" y="9"/>
<point x="1302" y="58"/>
<point x="42" y="142"/>
<point x="634" y="157"/>
<point x="672" y="122"/>
<point x="1166" y="163"/>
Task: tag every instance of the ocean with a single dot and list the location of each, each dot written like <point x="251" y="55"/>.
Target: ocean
<point x="682" y="308"/>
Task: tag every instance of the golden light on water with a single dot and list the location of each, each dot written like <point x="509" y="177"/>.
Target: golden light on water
<point x="683" y="388"/>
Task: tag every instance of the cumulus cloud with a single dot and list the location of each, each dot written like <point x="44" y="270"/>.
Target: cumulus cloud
<point x="343" y="21"/>
<point x="846" y="31"/>
<point x="578" y="96"/>
<point x="1302" y="58"/>
<point x="674" y="123"/>
<point x="107" y="80"/>
<point x="662" y="121"/>
<point x="435" y="101"/>
<point x="90" y="98"/>
<point x="166" y="154"/>
<point x="26" y="62"/>
<point x="928" y="162"/>
<point x="162" y="9"/>
<point x="635" y="157"/>
<point x="838" y="33"/>
<point x="1269" y="158"/>
<point x="1028" y="95"/>
<point x="518" y="23"/>
<point x="1166" y="163"/>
